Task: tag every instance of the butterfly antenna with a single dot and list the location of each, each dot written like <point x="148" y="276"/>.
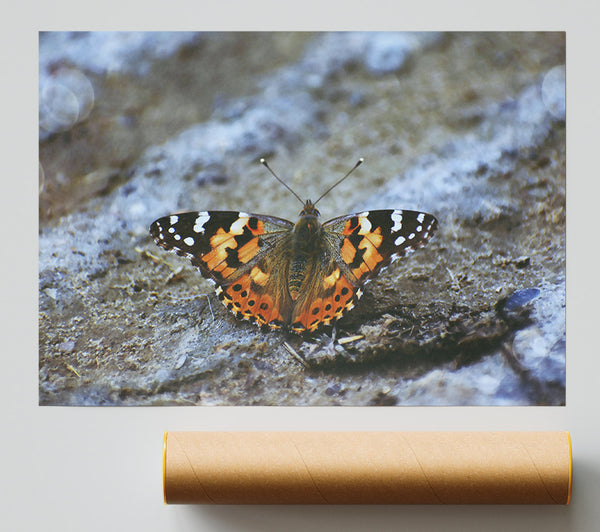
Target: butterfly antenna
<point x="358" y="163"/>
<point x="264" y="162"/>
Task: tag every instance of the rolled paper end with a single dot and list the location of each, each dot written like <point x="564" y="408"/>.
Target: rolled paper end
<point x="570" y="467"/>
<point x="164" y="466"/>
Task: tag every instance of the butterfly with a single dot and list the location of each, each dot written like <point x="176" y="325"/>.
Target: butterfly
<point x="300" y="276"/>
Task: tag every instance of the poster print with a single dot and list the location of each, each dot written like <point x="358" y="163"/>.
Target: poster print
<point x="463" y="141"/>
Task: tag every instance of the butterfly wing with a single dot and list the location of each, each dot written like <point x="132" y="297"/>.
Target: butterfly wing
<point x="358" y="247"/>
<point x="369" y="241"/>
<point x="327" y="293"/>
<point x="245" y="255"/>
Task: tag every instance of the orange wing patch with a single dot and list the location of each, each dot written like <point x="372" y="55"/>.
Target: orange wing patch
<point x="371" y="257"/>
<point x="255" y="295"/>
<point x="329" y="307"/>
<point x="216" y="260"/>
<point x="348" y="251"/>
<point x="332" y="278"/>
<point x="231" y="248"/>
<point x="248" y="301"/>
<point x="248" y="251"/>
<point x="267" y="312"/>
<point x="259" y="276"/>
<point x="361" y="247"/>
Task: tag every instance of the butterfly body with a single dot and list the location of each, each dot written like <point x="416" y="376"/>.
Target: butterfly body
<point x="299" y="276"/>
<point x="307" y="248"/>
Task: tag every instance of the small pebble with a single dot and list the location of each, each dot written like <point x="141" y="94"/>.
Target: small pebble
<point x="67" y="347"/>
<point x="520" y="298"/>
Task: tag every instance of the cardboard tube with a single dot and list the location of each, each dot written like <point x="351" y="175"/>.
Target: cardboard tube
<point x="367" y="467"/>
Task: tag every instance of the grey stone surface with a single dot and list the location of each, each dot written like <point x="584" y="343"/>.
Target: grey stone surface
<point x="470" y="127"/>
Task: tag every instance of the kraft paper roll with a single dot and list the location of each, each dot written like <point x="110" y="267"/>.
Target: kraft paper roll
<point x="367" y="467"/>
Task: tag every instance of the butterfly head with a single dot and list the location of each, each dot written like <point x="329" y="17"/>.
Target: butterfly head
<point x="307" y="227"/>
<point x="309" y="210"/>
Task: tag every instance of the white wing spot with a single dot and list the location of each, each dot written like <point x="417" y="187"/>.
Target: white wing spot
<point x="171" y="230"/>
<point x="399" y="241"/>
<point x="419" y="228"/>
<point x="237" y="227"/>
<point x="189" y="241"/>
<point x="173" y="219"/>
<point x="365" y="224"/>
<point x="177" y="237"/>
<point x="420" y="218"/>
<point x="411" y="236"/>
<point x="397" y="219"/>
<point x="203" y="217"/>
<point x="359" y="293"/>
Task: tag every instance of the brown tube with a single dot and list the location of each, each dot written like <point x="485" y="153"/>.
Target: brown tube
<point x="367" y="467"/>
